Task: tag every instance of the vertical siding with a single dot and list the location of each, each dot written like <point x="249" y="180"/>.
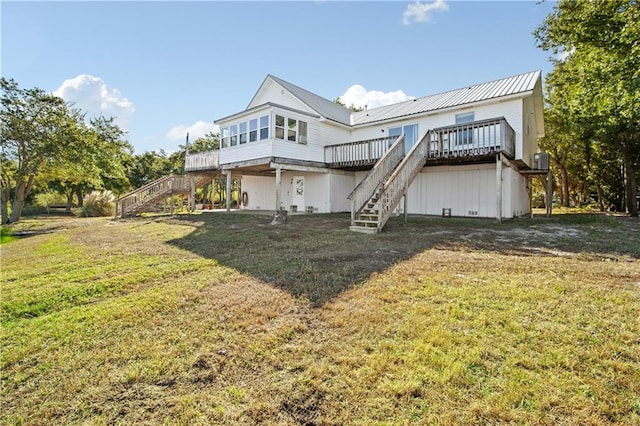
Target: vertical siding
<point x="261" y="191"/>
<point x="466" y="189"/>
<point x="341" y="187"/>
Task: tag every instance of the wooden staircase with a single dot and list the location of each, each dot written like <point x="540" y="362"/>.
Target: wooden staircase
<point x="140" y="199"/>
<point x="390" y="179"/>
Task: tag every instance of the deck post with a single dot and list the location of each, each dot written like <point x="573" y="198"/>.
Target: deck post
<point x="549" y="200"/>
<point x="228" y="190"/>
<point x="499" y="187"/>
<point x="192" y="193"/>
<point x="405" y="206"/>
<point x="278" y="181"/>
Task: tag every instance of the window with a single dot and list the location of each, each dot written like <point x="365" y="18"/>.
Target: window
<point x="279" y="127"/>
<point x="410" y="135"/>
<point x="464" y="136"/>
<point x="302" y="132"/>
<point x="234" y="135"/>
<point x="243" y="132"/>
<point x="253" y="130"/>
<point x="292" y="126"/>
<point x="225" y="136"/>
<point x="264" y="127"/>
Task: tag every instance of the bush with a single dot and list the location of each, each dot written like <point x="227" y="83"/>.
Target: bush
<point x="98" y="204"/>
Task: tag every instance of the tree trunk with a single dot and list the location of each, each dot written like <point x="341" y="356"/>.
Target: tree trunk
<point x="4" y="201"/>
<point x="600" y="196"/>
<point x="564" y="184"/>
<point x="80" y="195"/>
<point x="22" y="190"/>
<point x="631" y="189"/>
<point x="69" y="201"/>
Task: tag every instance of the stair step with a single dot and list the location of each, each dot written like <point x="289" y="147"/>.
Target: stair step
<point x="364" y="230"/>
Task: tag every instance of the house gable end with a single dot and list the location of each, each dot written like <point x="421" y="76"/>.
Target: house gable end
<point x="271" y="92"/>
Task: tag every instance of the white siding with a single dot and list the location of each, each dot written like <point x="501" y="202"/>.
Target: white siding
<point x="341" y="187"/>
<point x="261" y="191"/>
<point x="466" y="189"/>
<point x="274" y="93"/>
<point x="511" y="110"/>
<point x="248" y="151"/>
<point x="463" y="189"/>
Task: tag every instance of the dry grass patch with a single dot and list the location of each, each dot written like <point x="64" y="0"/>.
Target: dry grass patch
<point x="223" y="319"/>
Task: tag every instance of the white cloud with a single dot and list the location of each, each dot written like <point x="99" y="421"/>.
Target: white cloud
<point x="358" y="96"/>
<point x="421" y="12"/>
<point x="196" y="130"/>
<point x="92" y="95"/>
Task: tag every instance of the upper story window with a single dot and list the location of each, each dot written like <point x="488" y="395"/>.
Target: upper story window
<point x="291" y="129"/>
<point x="224" y="135"/>
<point x="264" y="127"/>
<point x="253" y="130"/>
<point x="233" y="131"/>
<point x="245" y="131"/>
<point x="465" y="136"/>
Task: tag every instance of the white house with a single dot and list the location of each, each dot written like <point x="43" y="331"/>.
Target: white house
<point x="465" y="152"/>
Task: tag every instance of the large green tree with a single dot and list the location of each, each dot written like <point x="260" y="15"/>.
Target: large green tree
<point x="35" y="128"/>
<point x="45" y="141"/>
<point x="595" y="85"/>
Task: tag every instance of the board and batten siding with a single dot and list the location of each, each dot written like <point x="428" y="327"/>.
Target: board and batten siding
<point x="341" y="187"/>
<point x="468" y="190"/>
<point x="261" y="192"/>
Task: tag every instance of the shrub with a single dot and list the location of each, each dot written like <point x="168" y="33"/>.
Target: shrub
<point x="98" y="204"/>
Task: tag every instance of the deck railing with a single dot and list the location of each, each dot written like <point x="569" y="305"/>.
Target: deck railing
<point x="395" y="187"/>
<point x="472" y="139"/>
<point x="368" y="186"/>
<point x="129" y="203"/>
<point x="209" y="160"/>
<point x="359" y="153"/>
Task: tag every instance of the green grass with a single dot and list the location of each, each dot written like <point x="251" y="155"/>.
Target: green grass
<point x="224" y="319"/>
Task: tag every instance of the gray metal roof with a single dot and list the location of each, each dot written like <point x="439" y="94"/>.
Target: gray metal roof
<point x="322" y="106"/>
<point x="466" y="95"/>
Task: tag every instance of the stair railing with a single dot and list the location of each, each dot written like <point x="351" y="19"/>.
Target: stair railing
<point x="130" y="201"/>
<point x="395" y="187"/>
<point x="363" y="192"/>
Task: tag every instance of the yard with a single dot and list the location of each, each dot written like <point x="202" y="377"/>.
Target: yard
<point x="221" y="318"/>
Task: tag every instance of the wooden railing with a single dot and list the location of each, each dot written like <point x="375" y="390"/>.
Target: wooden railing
<point x="395" y="187"/>
<point x="209" y="160"/>
<point x="383" y="167"/>
<point x="359" y="153"/>
<point x="472" y="139"/>
<point x="166" y="185"/>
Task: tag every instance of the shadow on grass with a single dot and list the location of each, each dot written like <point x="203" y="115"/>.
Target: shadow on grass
<point x="316" y="256"/>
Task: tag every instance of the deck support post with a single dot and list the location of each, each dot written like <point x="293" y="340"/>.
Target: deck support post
<point x="549" y="198"/>
<point x="192" y="193"/>
<point x="405" y="207"/>
<point x="499" y="187"/>
<point x="228" y="189"/>
<point x="278" y="182"/>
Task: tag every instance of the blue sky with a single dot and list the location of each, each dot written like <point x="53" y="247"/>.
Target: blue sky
<point x="165" y="68"/>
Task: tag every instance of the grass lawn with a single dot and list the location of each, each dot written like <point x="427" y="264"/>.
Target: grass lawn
<point x="221" y="318"/>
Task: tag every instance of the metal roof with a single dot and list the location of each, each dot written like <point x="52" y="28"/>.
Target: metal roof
<point x="322" y="106"/>
<point x="480" y="92"/>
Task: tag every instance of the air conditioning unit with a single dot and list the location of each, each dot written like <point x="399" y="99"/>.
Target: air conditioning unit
<point x="541" y="161"/>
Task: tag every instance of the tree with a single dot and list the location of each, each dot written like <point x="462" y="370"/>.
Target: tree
<point x="351" y="107"/>
<point x="599" y="82"/>
<point x="34" y="130"/>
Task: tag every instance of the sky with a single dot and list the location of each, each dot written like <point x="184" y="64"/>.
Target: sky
<point x="165" y="68"/>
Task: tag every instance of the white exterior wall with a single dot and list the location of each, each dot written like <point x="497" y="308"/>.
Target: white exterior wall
<point x="319" y="134"/>
<point x="511" y="110"/>
<point x="261" y="191"/>
<point x="274" y="93"/>
<point x="341" y="187"/>
<point x="468" y="189"/>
